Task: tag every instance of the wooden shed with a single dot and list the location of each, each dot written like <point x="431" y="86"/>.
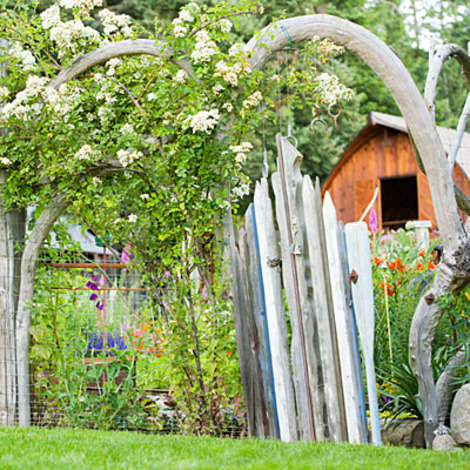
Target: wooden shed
<point x="382" y="156"/>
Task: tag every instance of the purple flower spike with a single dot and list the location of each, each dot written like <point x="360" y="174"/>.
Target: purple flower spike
<point x="93" y="296"/>
<point x="373" y="225"/>
<point x="91" y="285"/>
<point x="94" y="278"/>
<point x="99" y="306"/>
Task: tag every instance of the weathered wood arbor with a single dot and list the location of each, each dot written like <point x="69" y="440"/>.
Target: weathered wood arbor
<point x="454" y="269"/>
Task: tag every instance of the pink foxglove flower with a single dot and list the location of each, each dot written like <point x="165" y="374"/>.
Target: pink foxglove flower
<point x="373" y="225"/>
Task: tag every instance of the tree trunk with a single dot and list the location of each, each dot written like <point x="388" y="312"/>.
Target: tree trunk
<point x="29" y="261"/>
<point x="12" y="230"/>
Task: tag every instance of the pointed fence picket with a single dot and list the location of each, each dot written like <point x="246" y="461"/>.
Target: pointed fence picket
<point x="310" y="388"/>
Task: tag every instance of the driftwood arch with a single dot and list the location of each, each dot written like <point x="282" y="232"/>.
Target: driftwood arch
<point x="455" y="266"/>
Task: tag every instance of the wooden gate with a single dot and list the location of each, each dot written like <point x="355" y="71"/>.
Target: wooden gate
<point x="302" y="289"/>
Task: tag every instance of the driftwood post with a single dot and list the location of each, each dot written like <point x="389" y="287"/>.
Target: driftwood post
<point x="315" y="251"/>
<point x="275" y="313"/>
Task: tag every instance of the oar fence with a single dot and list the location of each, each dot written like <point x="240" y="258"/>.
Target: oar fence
<point x="304" y="313"/>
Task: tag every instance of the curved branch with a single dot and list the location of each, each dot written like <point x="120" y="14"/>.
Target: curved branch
<point x="437" y="58"/>
<point x="118" y="49"/>
<point x="387" y="65"/>
<point x="29" y="260"/>
<point x="445" y="387"/>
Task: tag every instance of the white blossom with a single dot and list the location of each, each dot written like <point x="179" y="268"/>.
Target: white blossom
<point x="112" y="23"/>
<point x="127" y="129"/>
<point x="186" y="15"/>
<point x="5" y="161"/>
<point x="225" y="25"/>
<point x="132" y="218"/>
<point x="144" y="196"/>
<point x="127" y="157"/>
<point x="180" y="76"/>
<point x="96" y="180"/>
<point x="243" y="189"/>
<point x="228" y="107"/>
<point x="25" y="57"/>
<point x="253" y="100"/>
<point x="217" y="88"/>
<point x="237" y="49"/>
<point x="204" y="121"/>
<point x="331" y="89"/>
<point x="241" y="150"/>
<point x="84" y="5"/>
<point x="111" y="65"/>
<point x="229" y="73"/>
<point x="50" y="17"/>
<point x="87" y="153"/>
<point x="4" y="92"/>
<point x="204" y="49"/>
<point x="151" y="96"/>
<point x="67" y="35"/>
<point x="179" y="30"/>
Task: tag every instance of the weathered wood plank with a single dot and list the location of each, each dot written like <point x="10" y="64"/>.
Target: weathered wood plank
<point x="354" y="333"/>
<point x="357" y="240"/>
<point x="315" y="253"/>
<point x="287" y="189"/>
<point x="258" y="313"/>
<point x="343" y="322"/>
<point x="275" y="313"/>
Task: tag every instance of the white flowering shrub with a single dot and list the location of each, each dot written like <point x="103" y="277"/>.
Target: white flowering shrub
<point x="144" y="151"/>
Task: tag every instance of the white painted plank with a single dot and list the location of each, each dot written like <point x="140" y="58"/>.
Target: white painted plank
<point x="357" y="239"/>
<point x="275" y="313"/>
<point x="323" y="307"/>
<point x="343" y="323"/>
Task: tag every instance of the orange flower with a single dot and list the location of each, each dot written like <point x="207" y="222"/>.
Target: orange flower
<point x="419" y="267"/>
<point x="229" y="353"/>
<point x="422" y="253"/>
<point x="377" y="260"/>
<point x="392" y="265"/>
<point x="431" y="265"/>
<point x="390" y="288"/>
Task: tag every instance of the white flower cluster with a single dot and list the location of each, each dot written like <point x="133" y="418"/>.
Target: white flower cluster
<point x="111" y="65"/>
<point x="127" y="157"/>
<point x="5" y="161"/>
<point x="50" y="17"/>
<point x="113" y="23"/>
<point x="67" y="35"/>
<point x="132" y="218"/>
<point x="3" y="93"/>
<point x="186" y="15"/>
<point x="328" y="47"/>
<point x="83" y="5"/>
<point x="227" y="72"/>
<point x="242" y="189"/>
<point x="238" y="49"/>
<point x="228" y="107"/>
<point x="64" y="100"/>
<point x="240" y="151"/>
<point x="225" y="25"/>
<point x="204" y="49"/>
<point x="204" y="121"/>
<point x="127" y="129"/>
<point x="253" y="100"/>
<point x="24" y="56"/>
<point x="87" y="153"/>
<point x="180" y="76"/>
<point x="21" y="107"/>
<point x="331" y="89"/>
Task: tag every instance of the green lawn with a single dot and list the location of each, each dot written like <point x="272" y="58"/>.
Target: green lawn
<point x="70" y="449"/>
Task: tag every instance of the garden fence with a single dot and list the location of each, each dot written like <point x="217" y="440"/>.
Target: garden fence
<point x="302" y="371"/>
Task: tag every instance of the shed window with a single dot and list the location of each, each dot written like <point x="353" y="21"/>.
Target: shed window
<point x="399" y="201"/>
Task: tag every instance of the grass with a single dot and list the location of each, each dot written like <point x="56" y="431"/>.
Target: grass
<point x="71" y="449"/>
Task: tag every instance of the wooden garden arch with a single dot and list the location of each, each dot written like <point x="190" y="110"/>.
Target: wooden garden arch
<point x="454" y="268"/>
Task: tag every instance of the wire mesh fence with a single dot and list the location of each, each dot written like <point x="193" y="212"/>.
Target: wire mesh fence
<point x="97" y="355"/>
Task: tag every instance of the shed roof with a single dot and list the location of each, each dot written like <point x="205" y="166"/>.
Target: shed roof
<point x="447" y="136"/>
